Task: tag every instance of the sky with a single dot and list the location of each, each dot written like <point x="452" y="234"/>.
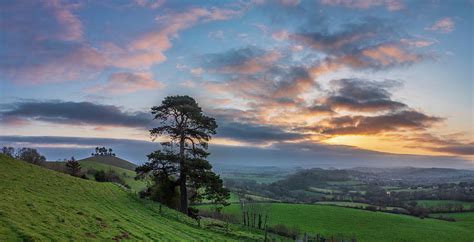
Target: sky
<point x="319" y="83"/>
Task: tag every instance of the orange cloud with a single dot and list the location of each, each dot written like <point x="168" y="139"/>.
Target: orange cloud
<point x="389" y="54"/>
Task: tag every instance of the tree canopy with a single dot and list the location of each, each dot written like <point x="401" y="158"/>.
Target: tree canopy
<point x="181" y="160"/>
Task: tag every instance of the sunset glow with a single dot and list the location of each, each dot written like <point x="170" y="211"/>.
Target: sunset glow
<point x="283" y="76"/>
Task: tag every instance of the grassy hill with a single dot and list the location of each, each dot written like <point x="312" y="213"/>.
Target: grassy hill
<point x="111" y="160"/>
<point x="38" y="203"/>
<point x="365" y="225"/>
<point x="127" y="176"/>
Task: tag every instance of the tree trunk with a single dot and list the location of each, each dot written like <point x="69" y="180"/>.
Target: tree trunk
<point x="182" y="179"/>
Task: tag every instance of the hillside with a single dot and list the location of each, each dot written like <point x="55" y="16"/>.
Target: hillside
<point x="38" y="203"/>
<point x="111" y="160"/>
<point x="364" y="225"/>
<point x="128" y="176"/>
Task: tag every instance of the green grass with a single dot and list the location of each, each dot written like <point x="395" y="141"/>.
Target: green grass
<point x="441" y="203"/>
<point x="463" y="219"/>
<point x="364" y="225"/>
<point x="112" y="160"/>
<point x="128" y="176"/>
<point x="41" y="204"/>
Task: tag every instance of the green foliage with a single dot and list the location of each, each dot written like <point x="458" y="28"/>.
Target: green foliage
<point x="40" y="204"/>
<point x="31" y="156"/>
<point x="188" y="130"/>
<point x="73" y="167"/>
<point x="126" y="175"/>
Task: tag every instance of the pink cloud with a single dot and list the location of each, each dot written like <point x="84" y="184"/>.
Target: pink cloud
<point x="71" y="25"/>
<point x="389" y="54"/>
<point x="83" y="62"/>
<point x="123" y="82"/>
<point x="444" y="25"/>
<point x="418" y="42"/>
<point x="391" y="5"/>
<point x="36" y="62"/>
<point x="149" y="48"/>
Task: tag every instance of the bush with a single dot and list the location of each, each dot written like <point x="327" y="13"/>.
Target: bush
<point x="31" y="156"/>
<point x="109" y="176"/>
<point x="283" y="230"/>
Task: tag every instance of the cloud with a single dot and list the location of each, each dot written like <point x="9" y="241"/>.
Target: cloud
<point x="391" y="5"/>
<point x="246" y="60"/>
<point x="444" y="26"/>
<point x="124" y="82"/>
<point x="153" y="4"/>
<point x="363" y="96"/>
<point x="219" y="34"/>
<point x="281" y="154"/>
<point x="462" y="149"/>
<point x="31" y="58"/>
<point x="451" y="144"/>
<point x="74" y="113"/>
<point x="420" y="43"/>
<point x="255" y="133"/>
<point x="370" y="44"/>
<point x="71" y="25"/>
<point x="407" y="120"/>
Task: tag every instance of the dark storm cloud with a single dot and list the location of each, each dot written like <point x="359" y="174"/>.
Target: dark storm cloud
<point x="363" y="95"/>
<point x="400" y="121"/>
<point x="76" y="113"/>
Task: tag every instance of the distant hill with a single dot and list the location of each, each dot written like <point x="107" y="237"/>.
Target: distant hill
<point x="111" y="160"/>
<point x="41" y="204"/>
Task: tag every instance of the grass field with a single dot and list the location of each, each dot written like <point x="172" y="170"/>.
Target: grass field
<point x="463" y="219"/>
<point x="441" y="203"/>
<point x="41" y="204"/>
<point x="364" y="225"/>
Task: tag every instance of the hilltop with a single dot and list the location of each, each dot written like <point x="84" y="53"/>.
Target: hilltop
<point x="111" y="160"/>
<point x="39" y="204"/>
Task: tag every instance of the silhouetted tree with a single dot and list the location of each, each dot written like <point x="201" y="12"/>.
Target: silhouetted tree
<point x="31" y="156"/>
<point x="8" y="151"/>
<point x="184" y="155"/>
<point x="73" y="167"/>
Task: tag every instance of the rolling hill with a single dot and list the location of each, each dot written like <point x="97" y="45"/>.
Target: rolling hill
<point x="41" y="204"/>
<point x="111" y="160"/>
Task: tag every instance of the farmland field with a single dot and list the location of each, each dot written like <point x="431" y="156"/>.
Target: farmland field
<point x="441" y="203"/>
<point x="364" y="225"/>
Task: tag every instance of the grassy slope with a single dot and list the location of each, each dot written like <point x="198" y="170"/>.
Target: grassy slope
<point x="44" y="204"/>
<point x="111" y="160"/>
<point x="127" y="175"/>
<point x="365" y="225"/>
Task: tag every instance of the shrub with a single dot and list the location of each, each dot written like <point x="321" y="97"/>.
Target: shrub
<point x="283" y="230"/>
